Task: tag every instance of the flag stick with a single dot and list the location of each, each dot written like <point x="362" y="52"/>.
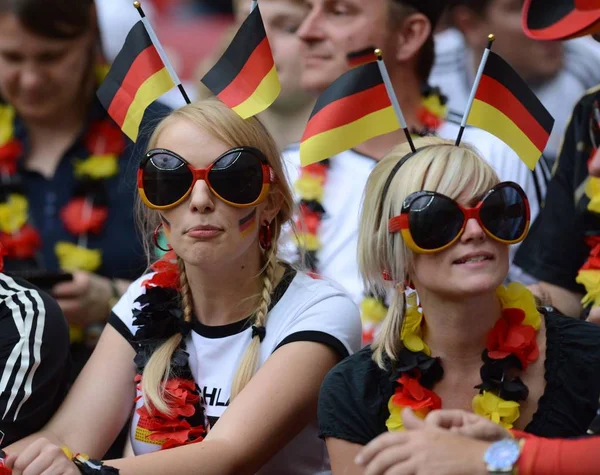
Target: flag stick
<point x="161" y="52"/>
<point x="486" y="54"/>
<point x="253" y="5"/>
<point x="393" y="99"/>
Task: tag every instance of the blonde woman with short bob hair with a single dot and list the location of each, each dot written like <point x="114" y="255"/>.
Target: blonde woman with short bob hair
<point x="218" y="353"/>
<point x="435" y="230"/>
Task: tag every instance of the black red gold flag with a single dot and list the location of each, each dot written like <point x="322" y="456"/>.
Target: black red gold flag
<point x="136" y="78"/>
<point x="245" y="77"/>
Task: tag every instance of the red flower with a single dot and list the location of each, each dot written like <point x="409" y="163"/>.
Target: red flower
<point x="23" y="244"/>
<point x="74" y="213"/>
<point x="9" y="154"/>
<point x="510" y="337"/>
<point x="315" y="169"/>
<point x="167" y="273"/>
<point x="429" y="119"/>
<point x="593" y="262"/>
<point x="104" y="138"/>
<point x="195" y="434"/>
<point x="411" y="394"/>
<point x="310" y="221"/>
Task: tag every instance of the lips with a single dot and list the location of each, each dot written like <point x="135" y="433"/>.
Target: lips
<point x="474" y="257"/>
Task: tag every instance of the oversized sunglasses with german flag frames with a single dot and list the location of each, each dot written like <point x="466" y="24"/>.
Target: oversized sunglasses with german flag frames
<point x="431" y="222"/>
<point x="240" y="177"/>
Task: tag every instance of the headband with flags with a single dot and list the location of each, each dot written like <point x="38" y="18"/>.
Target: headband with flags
<point x="504" y="105"/>
<point x="245" y="78"/>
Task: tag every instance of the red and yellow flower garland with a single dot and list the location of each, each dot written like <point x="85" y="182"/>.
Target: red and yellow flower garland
<point x="511" y="344"/>
<point x="82" y="216"/>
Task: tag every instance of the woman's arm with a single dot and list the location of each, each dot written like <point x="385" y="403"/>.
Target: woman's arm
<point x="279" y="401"/>
<point x="342" y="454"/>
<point x="99" y="403"/>
<point x="565" y="301"/>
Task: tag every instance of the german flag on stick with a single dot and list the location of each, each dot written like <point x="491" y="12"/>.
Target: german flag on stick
<point x="245" y="77"/>
<point x="506" y="107"/>
<point x="355" y="108"/>
<point x="137" y="78"/>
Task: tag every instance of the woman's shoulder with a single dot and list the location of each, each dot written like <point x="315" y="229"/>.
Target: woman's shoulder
<point x="353" y="399"/>
<point x="572" y="374"/>
<point x="308" y="308"/>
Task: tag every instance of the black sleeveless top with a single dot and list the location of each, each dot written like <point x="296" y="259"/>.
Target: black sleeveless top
<point x="355" y="394"/>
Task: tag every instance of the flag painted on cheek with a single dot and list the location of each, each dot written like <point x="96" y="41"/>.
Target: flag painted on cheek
<point x="248" y="223"/>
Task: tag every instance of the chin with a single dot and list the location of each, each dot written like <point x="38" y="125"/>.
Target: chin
<point x="316" y="81"/>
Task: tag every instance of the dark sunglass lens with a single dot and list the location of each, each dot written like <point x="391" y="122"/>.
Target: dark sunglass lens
<point x="166" y="179"/>
<point x="237" y="177"/>
<point x="504" y="213"/>
<point x="434" y="221"/>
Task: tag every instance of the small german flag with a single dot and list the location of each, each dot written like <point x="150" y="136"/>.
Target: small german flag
<point x="136" y="79"/>
<point x="506" y="107"/>
<point x="245" y="77"/>
<point x="358" y="58"/>
<point x="354" y="109"/>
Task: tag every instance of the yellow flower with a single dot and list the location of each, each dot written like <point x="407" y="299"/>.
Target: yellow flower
<point x="372" y="310"/>
<point x="71" y="257"/>
<point x="592" y="190"/>
<point x="590" y="279"/>
<point x="394" y="423"/>
<point x="516" y="295"/>
<point x="13" y="214"/>
<point x="496" y="409"/>
<point x="100" y="72"/>
<point x="97" y="167"/>
<point x="433" y="104"/>
<point x="411" y="334"/>
<point x="7" y="116"/>
<point x="307" y="241"/>
<point x="310" y="188"/>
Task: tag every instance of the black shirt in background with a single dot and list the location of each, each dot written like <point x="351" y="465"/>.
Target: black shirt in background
<point x="34" y="358"/>
<point x="353" y="402"/>
<point x="555" y="249"/>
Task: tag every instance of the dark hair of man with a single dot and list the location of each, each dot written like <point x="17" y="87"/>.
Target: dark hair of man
<point x="478" y="6"/>
<point x="399" y="11"/>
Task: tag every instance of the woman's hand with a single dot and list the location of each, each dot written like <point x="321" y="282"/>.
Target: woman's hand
<point x="39" y="457"/>
<point x="84" y="300"/>
<point x="594" y="315"/>
<point x="423" y="452"/>
<point x="463" y="423"/>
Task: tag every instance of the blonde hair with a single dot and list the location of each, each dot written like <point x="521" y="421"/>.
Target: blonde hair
<point x="438" y="166"/>
<point x="212" y="116"/>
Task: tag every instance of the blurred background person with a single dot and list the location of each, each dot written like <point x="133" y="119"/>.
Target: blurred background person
<point x="558" y="72"/>
<point x="68" y="178"/>
<point x="286" y="118"/>
<point x="563" y="244"/>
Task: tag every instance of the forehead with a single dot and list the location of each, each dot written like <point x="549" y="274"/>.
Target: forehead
<point x="191" y="142"/>
<point x="13" y="35"/>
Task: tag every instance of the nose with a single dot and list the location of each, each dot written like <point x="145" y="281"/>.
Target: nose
<point x="30" y="77"/>
<point x="473" y="232"/>
<point x="594" y="165"/>
<point x="310" y="29"/>
<point x="202" y="200"/>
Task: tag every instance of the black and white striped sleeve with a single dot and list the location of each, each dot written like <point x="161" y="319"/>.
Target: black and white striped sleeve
<point x="34" y="358"/>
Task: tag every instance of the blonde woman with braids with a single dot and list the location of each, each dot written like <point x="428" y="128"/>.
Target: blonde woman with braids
<point x="220" y="352"/>
<point x="435" y="230"/>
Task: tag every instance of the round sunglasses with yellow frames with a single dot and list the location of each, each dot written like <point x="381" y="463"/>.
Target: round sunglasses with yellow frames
<point x="240" y="177"/>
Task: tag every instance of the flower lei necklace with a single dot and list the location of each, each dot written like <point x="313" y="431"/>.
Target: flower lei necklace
<point x="159" y="318"/>
<point x="511" y="346"/>
<point x="85" y="214"/>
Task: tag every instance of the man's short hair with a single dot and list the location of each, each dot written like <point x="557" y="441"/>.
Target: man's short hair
<point x="478" y="6"/>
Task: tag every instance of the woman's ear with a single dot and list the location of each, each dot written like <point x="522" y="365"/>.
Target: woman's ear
<point x="271" y="205"/>
<point x="411" y="35"/>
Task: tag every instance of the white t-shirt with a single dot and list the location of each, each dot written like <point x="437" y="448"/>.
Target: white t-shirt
<point x="454" y="72"/>
<point x="304" y="309"/>
<point x="346" y="180"/>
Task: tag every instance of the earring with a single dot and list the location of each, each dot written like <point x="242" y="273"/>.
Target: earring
<point x="264" y="236"/>
<point x="156" y="241"/>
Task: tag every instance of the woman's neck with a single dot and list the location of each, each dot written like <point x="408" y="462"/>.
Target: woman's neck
<point x="221" y="298"/>
<point x="49" y="138"/>
<point x="456" y="330"/>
